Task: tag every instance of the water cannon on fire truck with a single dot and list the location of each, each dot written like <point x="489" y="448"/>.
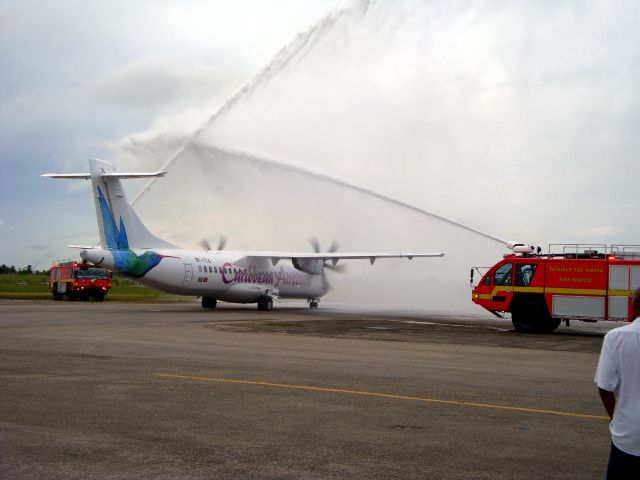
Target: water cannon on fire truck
<point x="521" y="248"/>
<point x="569" y="282"/>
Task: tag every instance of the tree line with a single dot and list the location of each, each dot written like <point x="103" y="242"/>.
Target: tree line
<point x="28" y="270"/>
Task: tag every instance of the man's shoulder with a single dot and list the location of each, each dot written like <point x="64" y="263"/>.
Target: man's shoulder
<point x="633" y="327"/>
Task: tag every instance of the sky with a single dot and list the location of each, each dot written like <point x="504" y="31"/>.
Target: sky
<point x="78" y="77"/>
<point x="516" y="118"/>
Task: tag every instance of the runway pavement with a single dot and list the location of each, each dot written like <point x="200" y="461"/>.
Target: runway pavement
<point x="115" y="390"/>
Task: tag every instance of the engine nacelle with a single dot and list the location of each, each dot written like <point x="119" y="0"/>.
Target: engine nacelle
<point x="98" y="256"/>
<point x="308" y="265"/>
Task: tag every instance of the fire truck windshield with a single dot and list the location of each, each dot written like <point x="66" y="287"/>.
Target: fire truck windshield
<point x="502" y="275"/>
<point x="95" y="273"/>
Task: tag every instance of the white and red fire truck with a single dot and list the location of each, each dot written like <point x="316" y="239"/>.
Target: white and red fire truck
<point x="570" y="282"/>
<point x="78" y="280"/>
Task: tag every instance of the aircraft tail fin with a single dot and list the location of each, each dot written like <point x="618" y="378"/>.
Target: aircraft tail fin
<point x="119" y="226"/>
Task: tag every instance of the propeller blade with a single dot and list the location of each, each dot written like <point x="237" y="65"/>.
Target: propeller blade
<point x="334" y="246"/>
<point x="222" y="242"/>
<point x="325" y="282"/>
<point x="315" y="244"/>
<point x="204" y="243"/>
<point x="336" y="268"/>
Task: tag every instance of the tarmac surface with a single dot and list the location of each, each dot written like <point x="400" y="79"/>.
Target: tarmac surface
<point x="115" y="390"/>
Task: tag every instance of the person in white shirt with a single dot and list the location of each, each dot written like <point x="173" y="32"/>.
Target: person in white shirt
<point x="618" y="380"/>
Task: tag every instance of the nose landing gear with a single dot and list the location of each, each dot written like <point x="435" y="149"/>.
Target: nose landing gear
<point x="313" y="303"/>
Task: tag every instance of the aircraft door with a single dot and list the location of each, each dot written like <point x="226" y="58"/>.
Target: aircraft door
<point x="188" y="275"/>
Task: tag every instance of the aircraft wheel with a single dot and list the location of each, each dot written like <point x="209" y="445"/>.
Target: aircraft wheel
<point x="265" y="303"/>
<point x="313" y="304"/>
<point x="208" y="302"/>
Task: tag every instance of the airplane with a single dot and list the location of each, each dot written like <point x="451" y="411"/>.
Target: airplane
<point x="127" y="247"/>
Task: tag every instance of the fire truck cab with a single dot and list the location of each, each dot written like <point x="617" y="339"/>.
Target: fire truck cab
<point x="570" y="282"/>
<point x="78" y="280"/>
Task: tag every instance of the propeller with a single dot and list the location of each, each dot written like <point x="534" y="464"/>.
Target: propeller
<point x="204" y="243"/>
<point x="315" y="244"/>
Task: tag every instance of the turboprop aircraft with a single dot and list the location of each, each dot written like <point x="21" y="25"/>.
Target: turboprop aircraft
<point x="127" y="247"/>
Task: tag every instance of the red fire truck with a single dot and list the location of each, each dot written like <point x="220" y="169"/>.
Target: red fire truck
<point x="570" y="282"/>
<point x="78" y="280"/>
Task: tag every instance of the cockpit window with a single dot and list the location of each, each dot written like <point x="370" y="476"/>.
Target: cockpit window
<point x="524" y="274"/>
<point x="502" y="275"/>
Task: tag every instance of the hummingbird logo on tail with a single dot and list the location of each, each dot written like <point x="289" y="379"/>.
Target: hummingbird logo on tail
<point x="125" y="259"/>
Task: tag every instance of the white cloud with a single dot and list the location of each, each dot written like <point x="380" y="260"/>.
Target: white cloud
<point x="154" y="81"/>
<point x="600" y="231"/>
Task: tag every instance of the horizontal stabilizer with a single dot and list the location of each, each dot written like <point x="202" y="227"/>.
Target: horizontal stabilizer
<point x="87" y="176"/>
<point x="76" y="176"/>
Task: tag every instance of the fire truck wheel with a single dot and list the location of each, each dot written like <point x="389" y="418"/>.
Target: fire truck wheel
<point x="57" y="296"/>
<point x="552" y="324"/>
<point x="99" y="298"/>
<point x="529" y="317"/>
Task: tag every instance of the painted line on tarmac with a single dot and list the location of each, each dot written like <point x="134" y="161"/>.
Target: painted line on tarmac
<point x="383" y="395"/>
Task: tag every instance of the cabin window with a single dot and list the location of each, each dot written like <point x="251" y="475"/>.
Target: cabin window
<point x="487" y="280"/>
<point x="502" y="276"/>
<point x="524" y="274"/>
<point x="199" y="268"/>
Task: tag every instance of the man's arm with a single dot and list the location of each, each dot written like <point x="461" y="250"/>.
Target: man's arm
<point x="608" y="400"/>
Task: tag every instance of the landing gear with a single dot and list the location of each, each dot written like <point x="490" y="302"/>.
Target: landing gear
<point x="265" y="303"/>
<point x="208" y="302"/>
<point x="313" y="304"/>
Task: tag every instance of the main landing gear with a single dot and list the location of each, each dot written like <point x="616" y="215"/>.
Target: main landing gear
<point x="265" y="303"/>
<point x="208" y="302"/>
<point x="313" y="303"/>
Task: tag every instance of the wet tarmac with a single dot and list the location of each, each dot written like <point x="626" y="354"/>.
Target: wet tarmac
<point x="116" y="390"/>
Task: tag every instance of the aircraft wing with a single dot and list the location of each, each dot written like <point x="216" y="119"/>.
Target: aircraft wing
<point x="333" y="257"/>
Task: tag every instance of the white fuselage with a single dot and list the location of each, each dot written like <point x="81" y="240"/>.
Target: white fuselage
<point x="217" y="274"/>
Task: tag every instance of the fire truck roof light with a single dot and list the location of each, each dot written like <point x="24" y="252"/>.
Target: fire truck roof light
<point x="612" y="257"/>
